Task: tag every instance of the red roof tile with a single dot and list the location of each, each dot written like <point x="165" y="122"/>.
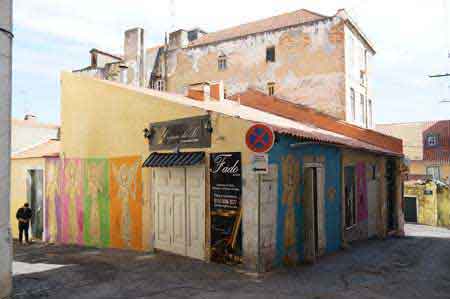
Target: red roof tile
<point x="277" y="22"/>
<point x="303" y="114"/>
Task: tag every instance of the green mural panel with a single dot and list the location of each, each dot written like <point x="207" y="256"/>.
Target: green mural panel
<point x="96" y="203"/>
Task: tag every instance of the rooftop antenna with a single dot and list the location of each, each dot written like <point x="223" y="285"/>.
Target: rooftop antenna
<point x="447" y="45"/>
<point x="172" y="12"/>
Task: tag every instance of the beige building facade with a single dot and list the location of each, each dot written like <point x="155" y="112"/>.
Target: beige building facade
<point x="304" y="57"/>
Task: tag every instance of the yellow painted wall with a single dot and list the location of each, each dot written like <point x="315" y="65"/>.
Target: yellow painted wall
<point x="102" y="119"/>
<point x="427" y="204"/>
<point x="19" y="168"/>
<point x="443" y="207"/>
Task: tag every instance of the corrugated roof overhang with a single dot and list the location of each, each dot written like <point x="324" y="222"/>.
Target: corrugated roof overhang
<point x="174" y="159"/>
<point x="318" y="135"/>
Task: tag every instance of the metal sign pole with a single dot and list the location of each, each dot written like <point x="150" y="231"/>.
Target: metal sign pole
<point x="258" y="266"/>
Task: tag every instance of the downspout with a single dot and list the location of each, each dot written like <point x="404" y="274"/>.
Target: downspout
<point x="6" y="37"/>
<point x="166" y="48"/>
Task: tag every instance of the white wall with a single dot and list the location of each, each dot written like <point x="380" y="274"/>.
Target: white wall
<point x="355" y="61"/>
<point x="5" y="147"/>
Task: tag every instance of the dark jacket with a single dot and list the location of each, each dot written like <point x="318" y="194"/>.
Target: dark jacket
<point x="24" y="213"/>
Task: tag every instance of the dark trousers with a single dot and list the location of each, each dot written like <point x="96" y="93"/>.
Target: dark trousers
<point x="23" y="228"/>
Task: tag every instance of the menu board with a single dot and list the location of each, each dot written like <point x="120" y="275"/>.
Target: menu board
<point x="226" y="181"/>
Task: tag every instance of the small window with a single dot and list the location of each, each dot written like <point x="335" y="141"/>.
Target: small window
<point x="362" y="77"/>
<point x="363" y="112"/>
<point x="434" y="172"/>
<point x="158" y="85"/>
<point x="222" y="63"/>
<point x="432" y="140"/>
<point x="271" y="88"/>
<point x="270" y="54"/>
<point x="370" y="113"/>
<point x="353" y="104"/>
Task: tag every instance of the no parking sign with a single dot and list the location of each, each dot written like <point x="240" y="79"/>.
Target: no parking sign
<point x="259" y="138"/>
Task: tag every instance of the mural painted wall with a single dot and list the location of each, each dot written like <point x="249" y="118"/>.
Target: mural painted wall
<point x="290" y="235"/>
<point x="94" y="202"/>
<point x="367" y="172"/>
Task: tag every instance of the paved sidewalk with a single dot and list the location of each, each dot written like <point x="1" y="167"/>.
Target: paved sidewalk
<point x="417" y="266"/>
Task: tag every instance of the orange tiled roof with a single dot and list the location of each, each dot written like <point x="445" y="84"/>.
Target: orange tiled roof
<point x="277" y="22"/>
<point x="303" y="114"/>
<point x="50" y="148"/>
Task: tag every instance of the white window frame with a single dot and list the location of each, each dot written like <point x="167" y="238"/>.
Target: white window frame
<point x="435" y="169"/>
<point x="432" y="137"/>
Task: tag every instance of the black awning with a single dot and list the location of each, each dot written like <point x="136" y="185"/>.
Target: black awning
<point x="173" y="159"/>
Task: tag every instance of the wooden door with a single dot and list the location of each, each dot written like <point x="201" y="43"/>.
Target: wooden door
<point x="162" y="208"/>
<point x="195" y="220"/>
<point x="177" y="187"/>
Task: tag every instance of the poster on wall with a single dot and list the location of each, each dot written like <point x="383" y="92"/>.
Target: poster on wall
<point x="226" y="181"/>
<point x="226" y="216"/>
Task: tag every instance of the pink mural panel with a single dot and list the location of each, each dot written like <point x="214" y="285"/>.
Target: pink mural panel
<point x="361" y="183"/>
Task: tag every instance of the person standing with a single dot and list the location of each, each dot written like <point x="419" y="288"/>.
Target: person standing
<point x="23" y="215"/>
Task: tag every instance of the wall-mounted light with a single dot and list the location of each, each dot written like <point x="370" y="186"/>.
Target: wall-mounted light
<point x="208" y="126"/>
<point x="148" y="133"/>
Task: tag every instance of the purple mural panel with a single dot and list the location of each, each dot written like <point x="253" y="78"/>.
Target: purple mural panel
<point x="72" y="199"/>
<point x="361" y="183"/>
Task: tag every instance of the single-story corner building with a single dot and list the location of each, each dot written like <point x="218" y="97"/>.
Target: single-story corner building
<point x="150" y="170"/>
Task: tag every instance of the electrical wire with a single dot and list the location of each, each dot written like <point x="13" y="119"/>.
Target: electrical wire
<point x="7" y="32"/>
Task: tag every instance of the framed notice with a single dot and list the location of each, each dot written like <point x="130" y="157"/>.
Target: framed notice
<point x="226" y="181"/>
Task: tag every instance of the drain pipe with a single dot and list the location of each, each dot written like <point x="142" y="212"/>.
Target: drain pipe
<point x="6" y="37"/>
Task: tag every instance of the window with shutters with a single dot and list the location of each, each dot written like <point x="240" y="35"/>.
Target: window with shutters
<point x="270" y="88"/>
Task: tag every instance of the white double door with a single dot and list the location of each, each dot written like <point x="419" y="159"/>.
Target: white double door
<point x="180" y="210"/>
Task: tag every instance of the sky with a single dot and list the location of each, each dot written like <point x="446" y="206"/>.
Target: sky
<point x="410" y="37"/>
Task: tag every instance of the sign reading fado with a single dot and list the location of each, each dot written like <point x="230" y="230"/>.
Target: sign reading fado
<point x="226" y="181"/>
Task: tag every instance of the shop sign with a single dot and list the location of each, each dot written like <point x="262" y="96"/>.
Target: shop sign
<point x="260" y="163"/>
<point x="259" y="138"/>
<point x="226" y="181"/>
<point x="193" y="132"/>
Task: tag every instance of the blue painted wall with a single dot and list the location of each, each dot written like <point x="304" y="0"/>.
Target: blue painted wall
<point x="332" y="206"/>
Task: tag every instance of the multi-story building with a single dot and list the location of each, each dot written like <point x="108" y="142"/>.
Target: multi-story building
<point x="426" y="145"/>
<point x="304" y="57"/>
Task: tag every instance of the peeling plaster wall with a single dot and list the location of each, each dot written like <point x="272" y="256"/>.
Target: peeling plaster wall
<point x="309" y="66"/>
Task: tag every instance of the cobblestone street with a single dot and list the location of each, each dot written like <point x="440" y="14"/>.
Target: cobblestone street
<point x="417" y="266"/>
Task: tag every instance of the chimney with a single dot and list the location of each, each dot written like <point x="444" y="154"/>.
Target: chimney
<point x="217" y="91"/>
<point x="199" y="91"/>
<point x="134" y="56"/>
<point x="178" y="39"/>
